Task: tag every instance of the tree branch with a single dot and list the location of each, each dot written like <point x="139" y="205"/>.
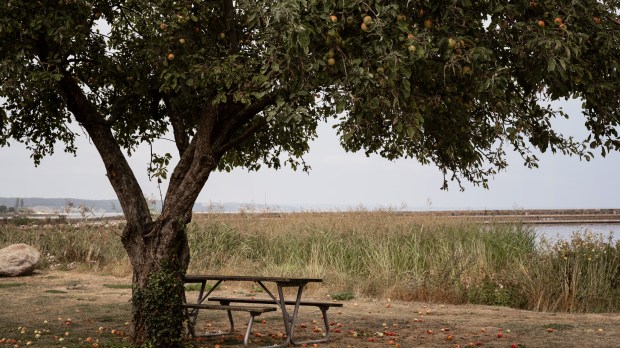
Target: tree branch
<point x="231" y="28"/>
<point x="222" y="149"/>
<point x="179" y="129"/>
<point x="118" y="170"/>
<point x="180" y="171"/>
<point x="117" y="109"/>
<point x="235" y="122"/>
<point x="193" y="170"/>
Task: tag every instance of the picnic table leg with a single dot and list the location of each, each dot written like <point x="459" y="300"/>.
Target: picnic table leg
<point x="326" y="322"/>
<point x="285" y="315"/>
<point x="192" y="316"/>
<point x="281" y="302"/>
<point x="230" y="317"/>
<point x="248" y="332"/>
<point x="295" y="311"/>
<point x="186" y="313"/>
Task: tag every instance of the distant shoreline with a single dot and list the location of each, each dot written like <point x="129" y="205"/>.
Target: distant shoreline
<point x="525" y="216"/>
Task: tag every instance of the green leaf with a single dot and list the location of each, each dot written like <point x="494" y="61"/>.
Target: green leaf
<point x="406" y="71"/>
<point x="406" y="88"/>
<point x="303" y="39"/>
<point x="340" y="106"/>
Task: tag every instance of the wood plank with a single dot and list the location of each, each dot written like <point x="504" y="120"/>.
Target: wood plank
<point x="230" y="308"/>
<point x="198" y="278"/>
<point x="270" y="301"/>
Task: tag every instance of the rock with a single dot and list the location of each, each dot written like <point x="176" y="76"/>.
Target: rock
<point x="18" y="259"/>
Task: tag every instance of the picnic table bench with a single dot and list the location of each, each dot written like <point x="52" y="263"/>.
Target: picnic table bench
<point x="192" y="308"/>
<point x="254" y="312"/>
<point x="323" y="306"/>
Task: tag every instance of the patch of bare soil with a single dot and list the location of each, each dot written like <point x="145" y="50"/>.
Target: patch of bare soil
<point x="70" y="309"/>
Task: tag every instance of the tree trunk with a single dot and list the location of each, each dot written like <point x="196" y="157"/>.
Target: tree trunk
<point x="158" y="250"/>
<point x="159" y="261"/>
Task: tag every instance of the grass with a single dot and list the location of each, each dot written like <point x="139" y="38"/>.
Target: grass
<point x="367" y="254"/>
<point x="342" y="296"/>
<point x="559" y="326"/>
<point x="52" y="291"/>
<point x="10" y="285"/>
<point x="47" y="328"/>
<point x="196" y="287"/>
<point x="373" y="254"/>
<point x="118" y="286"/>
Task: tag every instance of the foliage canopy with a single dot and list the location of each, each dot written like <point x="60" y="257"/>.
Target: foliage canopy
<point x="453" y="82"/>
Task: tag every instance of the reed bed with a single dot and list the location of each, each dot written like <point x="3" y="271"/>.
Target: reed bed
<point x="372" y="254"/>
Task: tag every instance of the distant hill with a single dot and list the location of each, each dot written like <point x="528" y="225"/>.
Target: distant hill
<point x="59" y="204"/>
<point x="113" y="205"/>
<point x="50" y="205"/>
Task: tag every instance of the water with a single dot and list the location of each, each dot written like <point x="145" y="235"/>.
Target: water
<point x="77" y="216"/>
<point x="564" y="231"/>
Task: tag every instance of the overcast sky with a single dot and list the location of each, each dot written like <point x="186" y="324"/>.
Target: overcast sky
<point x="336" y="177"/>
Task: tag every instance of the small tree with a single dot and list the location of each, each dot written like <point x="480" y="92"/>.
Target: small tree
<point x="244" y="83"/>
<point x="3" y="209"/>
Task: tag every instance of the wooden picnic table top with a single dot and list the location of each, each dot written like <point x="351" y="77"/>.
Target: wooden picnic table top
<point x="199" y="278"/>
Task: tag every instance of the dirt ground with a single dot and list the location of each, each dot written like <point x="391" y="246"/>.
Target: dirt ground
<point x="70" y="309"/>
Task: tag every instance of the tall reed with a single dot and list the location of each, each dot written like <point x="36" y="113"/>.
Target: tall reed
<point x="67" y="246"/>
<point x="370" y="254"/>
<point x="373" y="254"/>
<point x="578" y="275"/>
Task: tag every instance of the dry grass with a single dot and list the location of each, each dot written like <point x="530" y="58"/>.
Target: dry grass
<point x="372" y="254"/>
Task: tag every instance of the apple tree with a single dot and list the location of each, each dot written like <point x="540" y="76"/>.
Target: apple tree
<point x="244" y="84"/>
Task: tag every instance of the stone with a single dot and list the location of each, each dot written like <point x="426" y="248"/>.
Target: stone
<point x="18" y="260"/>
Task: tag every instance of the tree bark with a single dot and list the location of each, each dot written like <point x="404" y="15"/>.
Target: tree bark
<point x="159" y="261"/>
<point x="160" y="257"/>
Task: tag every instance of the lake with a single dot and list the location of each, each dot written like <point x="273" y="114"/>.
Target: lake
<point x="564" y="231"/>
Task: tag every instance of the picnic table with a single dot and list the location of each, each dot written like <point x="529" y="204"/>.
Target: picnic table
<point x="280" y="301"/>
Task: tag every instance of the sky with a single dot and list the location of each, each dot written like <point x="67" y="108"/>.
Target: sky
<point x="349" y="180"/>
